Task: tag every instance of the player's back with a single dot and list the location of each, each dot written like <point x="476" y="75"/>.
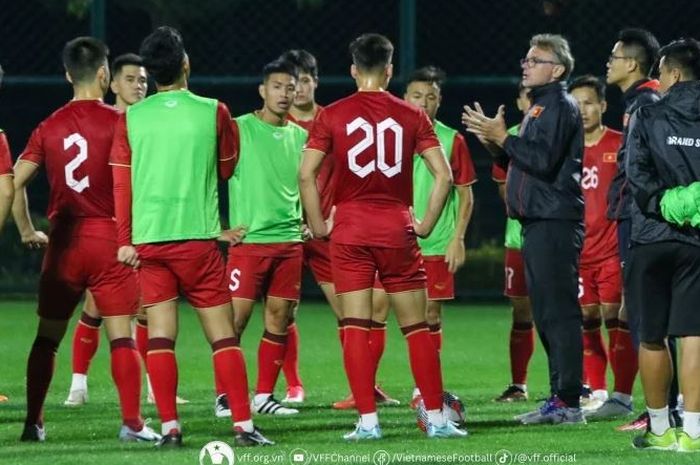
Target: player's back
<point x="372" y="137"/>
<point x="74" y="144"/>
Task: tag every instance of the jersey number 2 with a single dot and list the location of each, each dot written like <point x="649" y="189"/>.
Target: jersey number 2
<point x="370" y="139"/>
<point x="68" y="142"/>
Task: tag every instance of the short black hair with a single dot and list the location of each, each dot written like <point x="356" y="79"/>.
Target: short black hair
<point x="431" y="74"/>
<point x="163" y="52"/>
<point x="280" y="66"/>
<point x="303" y="60"/>
<point x="641" y="45"/>
<point x="82" y="57"/>
<point x="371" y="52"/>
<point x="683" y="54"/>
<point x="591" y="81"/>
<point x="127" y="59"/>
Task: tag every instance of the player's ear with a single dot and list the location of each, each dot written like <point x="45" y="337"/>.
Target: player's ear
<point x="113" y="87"/>
<point x="353" y="71"/>
<point x="389" y="71"/>
<point x="186" y="66"/>
<point x="603" y="106"/>
<point x="68" y="78"/>
<point x="261" y="91"/>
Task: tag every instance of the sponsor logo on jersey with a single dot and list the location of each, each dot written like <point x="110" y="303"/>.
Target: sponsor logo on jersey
<point x="610" y="157"/>
<point x="536" y="111"/>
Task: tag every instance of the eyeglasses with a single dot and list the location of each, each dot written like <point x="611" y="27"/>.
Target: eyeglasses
<point x="532" y="62"/>
<point x="612" y="58"/>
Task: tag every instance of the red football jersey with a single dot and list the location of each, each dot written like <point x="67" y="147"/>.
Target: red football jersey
<point x="372" y="137"/>
<point x="74" y="144"/>
<point x="599" y="169"/>
<point x="324" y="180"/>
<point x="498" y="173"/>
<point x="5" y="156"/>
<point x="463" y="173"/>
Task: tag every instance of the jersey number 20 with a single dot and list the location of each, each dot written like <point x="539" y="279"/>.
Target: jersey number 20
<point x="68" y="142"/>
<point x="375" y="135"/>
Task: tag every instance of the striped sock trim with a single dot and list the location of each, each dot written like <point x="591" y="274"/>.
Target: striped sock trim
<point x="87" y="320"/>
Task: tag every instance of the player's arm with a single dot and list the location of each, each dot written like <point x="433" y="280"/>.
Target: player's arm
<point x="310" y="198"/>
<point x="7" y="187"/>
<point x="120" y="159"/>
<point x="463" y="177"/>
<point x="438" y="167"/>
<point x="24" y="173"/>
<point x="227" y="142"/>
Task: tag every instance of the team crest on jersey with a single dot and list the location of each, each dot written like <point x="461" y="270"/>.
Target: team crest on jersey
<point x="536" y="111"/>
<point x="610" y="157"/>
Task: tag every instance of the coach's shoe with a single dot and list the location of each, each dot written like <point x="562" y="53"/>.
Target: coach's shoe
<point x="448" y="430"/>
<point x="611" y="408"/>
<point x="382" y="398"/>
<point x="250" y="439"/>
<point x="534" y="413"/>
<point x="295" y="395"/>
<point x="688" y="444"/>
<point x="270" y="406"/>
<point x="76" y="398"/>
<point x="651" y="441"/>
<point x="172" y="440"/>
<point x="360" y="434"/>
<point x="33" y="433"/>
<point x="639" y="423"/>
<point x="221" y="407"/>
<point x="346" y="404"/>
<point x="556" y="412"/>
<point x="512" y="393"/>
<point x="146" y="434"/>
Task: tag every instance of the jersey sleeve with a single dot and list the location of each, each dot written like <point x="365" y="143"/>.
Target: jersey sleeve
<point x="5" y="156"/>
<point x="120" y="154"/>
<point x="34" y="151"/>
<point x="320" y="136"/>
<point x="227" y="138"/>
<point x="498" y="173"/>
<point x="425" y="135"/>
<point x="461" y="163"/>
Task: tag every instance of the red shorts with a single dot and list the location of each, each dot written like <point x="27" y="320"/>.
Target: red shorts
<point x="355" y="268"/>
<point x="515" y="285"/>
<point x="601" y="283"/>
<point x="195" y="268"/>
<point x="84" y="256"/>
<point x="441" y="283"/>
<point x="265" y="270"/>
<point x="317" y="256"/>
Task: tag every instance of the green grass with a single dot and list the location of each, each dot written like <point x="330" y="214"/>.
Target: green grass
<point x="475" y="366"/>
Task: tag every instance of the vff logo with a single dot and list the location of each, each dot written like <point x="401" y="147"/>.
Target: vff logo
<point x="217" y="452"/>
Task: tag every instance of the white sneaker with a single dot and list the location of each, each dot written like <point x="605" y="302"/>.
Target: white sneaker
<point x="221" y="408"/>
<point x="611" y="408"/>
<point x="271" y="406"/>
<point x="76" y="398"/>
<point x="146" y="434"/>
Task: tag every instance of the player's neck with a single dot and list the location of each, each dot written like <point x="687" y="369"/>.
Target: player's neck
<point x="307" y="113"/>
<point x="592" y="137"/>
<point x="180" y="84"/>
<point x="629" y="80"/>
<point x="87" y="93"/>
<point x="271" y="118"/>
<point x="121" y="104"/>
<point x="371" y="83"/>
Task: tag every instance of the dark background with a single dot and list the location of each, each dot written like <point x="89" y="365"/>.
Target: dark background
<point x="477" y="42"/>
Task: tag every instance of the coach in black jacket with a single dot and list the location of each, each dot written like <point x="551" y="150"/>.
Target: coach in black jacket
<point x="663" y="269"/>
<point x="543" y="191"/>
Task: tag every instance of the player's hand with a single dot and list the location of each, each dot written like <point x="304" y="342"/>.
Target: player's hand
<point x="233" y="236"/>
<point x="127" y="255"/>
<point x="35" y="240"/>
<point x="455" y="255"/>
<point x="418" y="227"/>
<point x="328" y="223"/>
<point x="306" y="234"/>
<point x="492" y="130"/>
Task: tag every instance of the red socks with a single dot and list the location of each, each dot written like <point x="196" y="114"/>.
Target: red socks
<point x="231" y="377"/>
<point x="626" y="362"/>
<point x="126" y="372"/>
<point x="162" y="370"/>
<point x="425" y="364"/>
<point x="595" y="359"/>
<point x="359" y="363"/>
<point x="291" y="356"/>
<point x="522" y="346"/>
<point x="270" y="359"/>
<point x="86" y="339"/>
<point x="341" y="333"/>
<point x="377" y="343"/>
<point x="436" y="335"/>
<point x="40" y="367"/>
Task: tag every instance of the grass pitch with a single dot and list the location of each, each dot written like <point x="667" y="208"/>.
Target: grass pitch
<point x="475" y="367"/>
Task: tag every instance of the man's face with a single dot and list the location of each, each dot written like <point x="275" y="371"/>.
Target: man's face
<point x="617" y="65"/>
<point x="278" y="92"/>
<point x="425" y="95"/>
<point x="130" y="83"/>
<point x="306" y="91"/>
<point x="539" y="67"/>
<point x="591" y="107"/>
<point x="667" y="76"/>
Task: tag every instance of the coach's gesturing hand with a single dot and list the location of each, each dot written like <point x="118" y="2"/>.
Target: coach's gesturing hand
<point x="127" y="255"/>
<point x="488" y="130"/>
